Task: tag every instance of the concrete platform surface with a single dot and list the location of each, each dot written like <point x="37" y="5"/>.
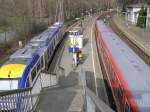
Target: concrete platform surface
<point x="138" y="35"/>
<point x="68" y="95"/>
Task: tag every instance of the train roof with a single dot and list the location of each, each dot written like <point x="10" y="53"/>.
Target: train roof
<point x="24" y="56"/>
<point x="134" y="70"/>
<point x="40" y="38"/>
<point x="26" y="52"/>
<point x="45" y="35"/>
<point x="60" y="24"/>
<point x="48" y="33"/>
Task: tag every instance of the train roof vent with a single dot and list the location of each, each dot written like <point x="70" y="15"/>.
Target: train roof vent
<point x="35" y="45"/>
<point x="24" y="51"/>
<point x="132" y="61"/>
<point x="40" y="36"/>
<point x="58" y="23"/>
<point x="137" y="68"/>
<point x="117" y="44"/>
<point x="52" y="27"/>
<point x="122" y="50"/>
<point x="40" y="39"/>
<point x="27" y="52"/>
<point x="47" y="32"/>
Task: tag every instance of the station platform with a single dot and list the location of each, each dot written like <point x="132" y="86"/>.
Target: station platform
<point x="141" y="37"/>
<point x="68" y="94"/>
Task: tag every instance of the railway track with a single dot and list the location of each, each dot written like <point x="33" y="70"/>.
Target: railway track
<point x="136" y="47"/>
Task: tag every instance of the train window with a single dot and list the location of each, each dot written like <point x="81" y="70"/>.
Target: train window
<point x="45" y="57"/>
<point x="110" y="68"/>
<point x="38" y="66"/>
<point x="56" y="38"/>
<point x="54" y="42"/>
<point x="120" y="94"/>
<point x="98" y="45"/>
<point x="42" y="63"/>
<point x="28" y="82"/>
<point x="33" y="74"/>
<point x="127" y="108"/>
<point x="114" y="75"/>
<point x="49" y="51"/>
<point x="107" y="62"/>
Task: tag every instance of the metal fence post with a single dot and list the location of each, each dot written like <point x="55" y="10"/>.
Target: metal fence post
<point x="41" y="81"/>
<point x="31" y="100"/>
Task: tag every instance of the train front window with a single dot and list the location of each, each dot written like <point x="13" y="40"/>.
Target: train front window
<point x="8" y="84"/>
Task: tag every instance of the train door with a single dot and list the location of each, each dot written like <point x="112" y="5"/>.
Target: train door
<point x="127" y="107"/>
<point x="51" y="48"/>
<point x="46" y="59"/>
<point x="33" y="75"/>
<point x="60" y="34"/>
<point x="114" y="81"/>
<point x="56" y="39"/>
<point x="43" y="62"/>
<point x="28" y="81"/>
<point x="49" y="52"/>
<point x="120" y="98"/>
<point x="36" y="70"/>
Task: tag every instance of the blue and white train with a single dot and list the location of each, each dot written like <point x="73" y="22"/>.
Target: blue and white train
<point x="23" y="67"/>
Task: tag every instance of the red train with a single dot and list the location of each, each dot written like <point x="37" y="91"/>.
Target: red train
<point x="126" y="73"/>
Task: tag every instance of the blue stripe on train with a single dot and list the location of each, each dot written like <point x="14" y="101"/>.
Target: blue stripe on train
<point x="27" y="71"/>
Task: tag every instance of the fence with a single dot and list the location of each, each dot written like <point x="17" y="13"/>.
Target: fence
<point x="25" y="100"/>
<point x="16" y="100"/>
